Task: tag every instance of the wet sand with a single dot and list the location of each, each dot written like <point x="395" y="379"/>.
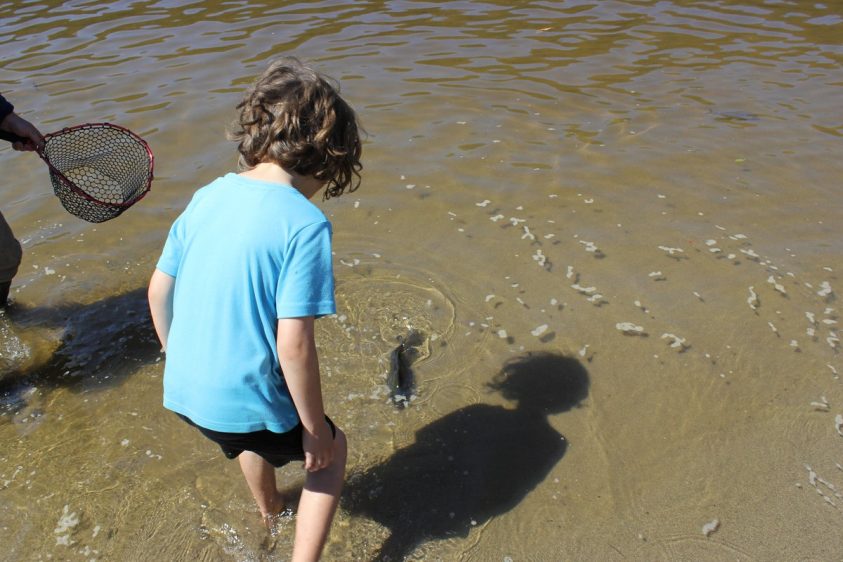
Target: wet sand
<point x="631" y="208"/>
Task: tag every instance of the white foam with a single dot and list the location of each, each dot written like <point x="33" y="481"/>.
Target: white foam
<point x="539" y="330"/>
<point x="753" y="301"/>
<point x="65" y="526"/>
<point x="826" y="289"/>
<point x="710" y="527"/>
<point x="777" y="286"/>
<point x="630" y="328"/>
<point x="672" y="251"/>
<point x="676" y="342"/>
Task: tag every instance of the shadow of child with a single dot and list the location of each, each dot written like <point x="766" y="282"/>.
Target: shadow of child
<point x="475" y="463"/>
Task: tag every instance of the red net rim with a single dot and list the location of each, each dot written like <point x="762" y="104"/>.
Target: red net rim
<point x="73" y="187"/>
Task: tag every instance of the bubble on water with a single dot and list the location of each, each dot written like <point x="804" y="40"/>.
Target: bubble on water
<point x="751" y="254"/>
<point x="672" y="251"/>
<point x="826" y="289"/>
<point x="676" y="342"/>
<point x="65" y="526"/>
<point x="596" y="299"/>
<point x="752" y="300"/>
<point x="584" y="290"/>
<point x="777" y="286"/>
<point x="591" y="247"/>
<point x="630" y="329"/>
<point x="710" y="527"/>
<point x="821" y="405"/>
<point x="539" y="330"/>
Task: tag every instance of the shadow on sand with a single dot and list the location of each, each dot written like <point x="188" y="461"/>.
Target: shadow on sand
<point x="99" y="343"/>
<point x="475" y="463"/>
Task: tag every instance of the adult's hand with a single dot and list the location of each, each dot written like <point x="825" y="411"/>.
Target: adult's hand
<point x="32" y="137"/>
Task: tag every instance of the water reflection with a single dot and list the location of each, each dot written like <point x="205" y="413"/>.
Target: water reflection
<point x="475" y="463"/>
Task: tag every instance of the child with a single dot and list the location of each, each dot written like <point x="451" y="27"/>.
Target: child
<point x="245" y="270"/>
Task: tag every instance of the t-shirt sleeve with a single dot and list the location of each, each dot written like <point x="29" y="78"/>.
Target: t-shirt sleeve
<point x="306" y="283"/>
<point x="173" y="247"/>
<point x="5" y="108"/>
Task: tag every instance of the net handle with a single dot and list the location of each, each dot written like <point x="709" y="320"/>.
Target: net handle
<point x="73" y="186"/>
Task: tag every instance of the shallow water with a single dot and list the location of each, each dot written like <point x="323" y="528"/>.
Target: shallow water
<point x="628" y="209"/>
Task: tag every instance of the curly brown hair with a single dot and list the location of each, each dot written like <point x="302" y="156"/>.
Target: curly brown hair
<point x="294" y="117"/>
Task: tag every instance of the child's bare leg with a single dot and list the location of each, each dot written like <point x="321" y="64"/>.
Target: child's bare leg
<point x="260" y="476"/>
<point x="318" y="503"/>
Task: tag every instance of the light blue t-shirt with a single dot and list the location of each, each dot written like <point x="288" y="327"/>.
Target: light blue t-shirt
<point x="244" y="253"/>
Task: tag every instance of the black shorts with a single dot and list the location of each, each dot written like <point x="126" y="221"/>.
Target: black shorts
<point x="276" y="448"/>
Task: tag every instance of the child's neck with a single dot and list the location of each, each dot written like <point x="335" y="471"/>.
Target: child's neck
<point x="273" y="173"/>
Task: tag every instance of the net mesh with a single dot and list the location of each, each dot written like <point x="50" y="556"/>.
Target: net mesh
<point x="98" y="170"/>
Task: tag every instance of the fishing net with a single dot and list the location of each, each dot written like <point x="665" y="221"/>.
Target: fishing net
<point x="98" y="170"/>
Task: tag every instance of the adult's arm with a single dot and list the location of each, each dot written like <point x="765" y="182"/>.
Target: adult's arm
<point x="13" y="123"/>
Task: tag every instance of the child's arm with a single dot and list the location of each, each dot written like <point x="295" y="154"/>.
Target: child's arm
<point x="300" y="365"/>
<point x="161" y="304"/>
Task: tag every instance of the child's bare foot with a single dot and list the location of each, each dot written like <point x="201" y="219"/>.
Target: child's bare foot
<point x="275" y="510"/>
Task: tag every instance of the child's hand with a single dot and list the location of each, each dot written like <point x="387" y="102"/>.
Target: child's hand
<point x="318" y="447"/>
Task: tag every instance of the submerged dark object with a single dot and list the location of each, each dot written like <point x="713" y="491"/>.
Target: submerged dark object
<point x="400" y="378"/>
<point x="738" y="116"/>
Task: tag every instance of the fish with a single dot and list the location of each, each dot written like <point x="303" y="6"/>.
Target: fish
<point x="400" y="378"/>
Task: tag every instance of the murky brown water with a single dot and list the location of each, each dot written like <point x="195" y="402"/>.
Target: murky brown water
<point x="536" y="178"/>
